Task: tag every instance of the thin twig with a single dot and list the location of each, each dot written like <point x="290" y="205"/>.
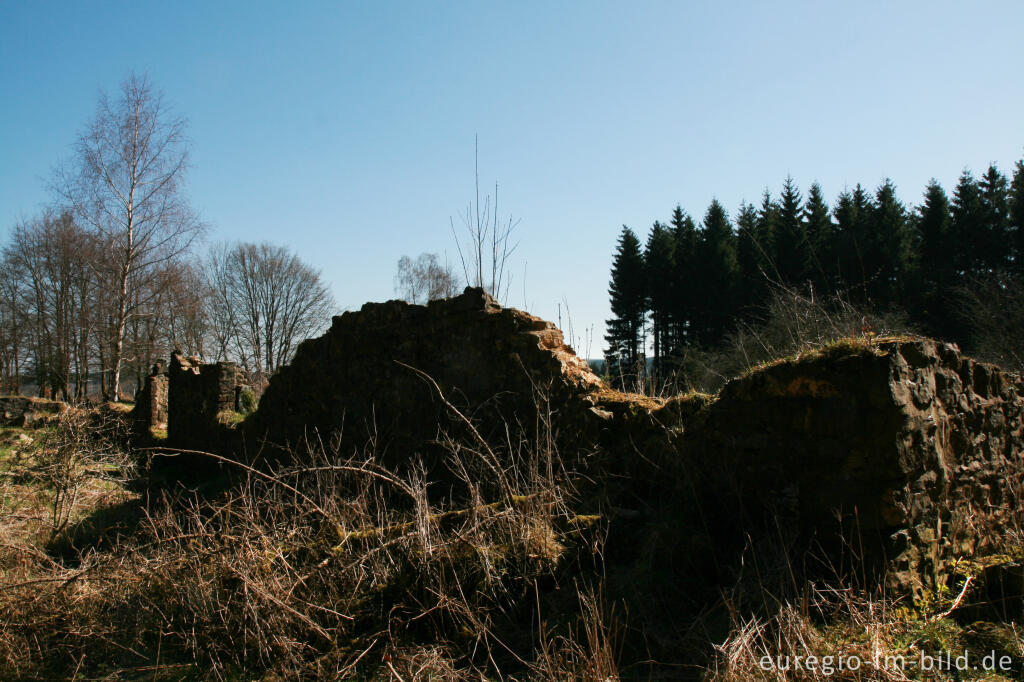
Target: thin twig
<point x="956" y="603"/>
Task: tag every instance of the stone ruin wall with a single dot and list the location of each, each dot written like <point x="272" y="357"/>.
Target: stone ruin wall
<point x="906" y="451"/>
<point x="150" y="411"/>
<point x="905" y="445"/>
<point x="366" y="377"/>
<point x="25" y="412"/>
<point x="193" y="401"/>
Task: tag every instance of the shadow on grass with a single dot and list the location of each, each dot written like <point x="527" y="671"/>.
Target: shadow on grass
<point x="101" y="530"/>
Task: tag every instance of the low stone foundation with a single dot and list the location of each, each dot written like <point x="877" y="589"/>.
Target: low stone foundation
<point x="25" y="412"/>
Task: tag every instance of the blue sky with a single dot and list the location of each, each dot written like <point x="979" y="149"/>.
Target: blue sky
<point x="345" y="130"/>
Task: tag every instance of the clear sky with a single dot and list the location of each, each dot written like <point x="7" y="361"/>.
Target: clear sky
<point x="345" y="129"/>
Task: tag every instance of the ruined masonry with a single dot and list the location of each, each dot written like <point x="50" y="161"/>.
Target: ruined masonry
<point x="194" y="402"/>
<point x="901" y="451"/>
<point x="28" y="412"/>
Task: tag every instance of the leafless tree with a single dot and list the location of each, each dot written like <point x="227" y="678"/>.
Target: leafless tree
<point x="188" y="317"/>
<point x="13" y="323"/>
<point x="424" y="279"/>
<point x="125" y="183"/>
<point x="170" y="315"/>
<point x="49" y="254"/>
<point x="486" y="245"/>
<point x="264" y="302"/>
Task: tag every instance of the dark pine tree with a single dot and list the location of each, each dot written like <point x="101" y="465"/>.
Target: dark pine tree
<point x="767" y="227"/>
<point x="718" y="272"/>
<point x="888" y="257"/>
<point x="659" y="260"/>
<point x="751" y="261"/>
<point x="1016" y="220"/>
<point x="791" y="249"/>
<point x="994" y="256"/>
<point x="936" y="270"/>
<point x="820" y="237"/>
<point x="682" y="283"/>
<point x="627" y="294"/>
<point x="968" y="227"/>
<point x="852" y="213"/>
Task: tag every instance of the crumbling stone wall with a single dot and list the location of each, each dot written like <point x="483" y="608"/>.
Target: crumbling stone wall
<point x="202" y="400"/>
<point x="366" y="379"/>
<point x="150" y="411"/>
<point x="901" y="452"/>
<point x="904" y="453"/>
<point x="28" y="412"/>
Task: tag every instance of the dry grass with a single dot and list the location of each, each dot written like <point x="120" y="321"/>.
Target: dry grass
<point x="846" y="635"/>
<point x="795" y="324"/>
<point x="336" y="568"/>
<point x="330" y="568"/>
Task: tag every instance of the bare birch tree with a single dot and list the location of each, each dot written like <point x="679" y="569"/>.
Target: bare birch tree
<point x="125" y="183"/>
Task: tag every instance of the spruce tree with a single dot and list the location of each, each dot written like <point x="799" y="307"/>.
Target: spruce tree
<point x="659" y="261"/>
<point x="819" y="230"/>
<point x="937" y="273"/>
<point x="994" y="254"/>
<point x="750" y="260"/>
<point x="1016" y="219"/>
<point x="718" y="275"/>
<point x="888" y="258"/>
<point x="792" y="254"/>
<point x="852" y="227"/>
<point x="968" y="213"/>
<point x="767" y="226"/>
<point x="682" y="282"/>
<point x="627" y="295"/>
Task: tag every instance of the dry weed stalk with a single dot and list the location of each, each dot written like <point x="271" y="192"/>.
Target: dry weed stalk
<point x="793" y="645"/>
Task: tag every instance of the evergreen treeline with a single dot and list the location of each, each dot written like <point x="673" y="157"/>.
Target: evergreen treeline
<point x="691" y="283"/>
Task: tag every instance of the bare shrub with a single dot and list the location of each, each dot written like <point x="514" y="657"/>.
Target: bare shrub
<point x="994" y="310"/>
<point x="794" y="321"/>
<point x="486" y="247"/>
<point x="82" y="448"/>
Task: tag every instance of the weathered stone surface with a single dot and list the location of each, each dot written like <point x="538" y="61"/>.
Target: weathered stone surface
<point x="28" y="412"/>
<point x="367" y="377"/>
<point x="150" y="411"/>
<point x="903" y="452"/>
<point x="201" y="400"/>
